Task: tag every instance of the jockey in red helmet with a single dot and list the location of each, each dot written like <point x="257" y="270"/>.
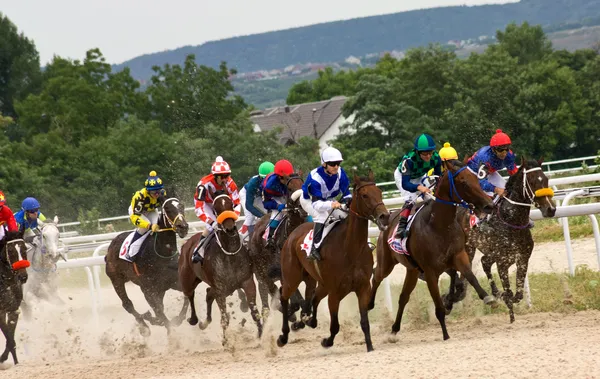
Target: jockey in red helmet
<point x="274" y="192"/>
<point x="7" y="219"/>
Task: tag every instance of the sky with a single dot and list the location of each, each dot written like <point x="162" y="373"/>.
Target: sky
<point x="124" y="29"/>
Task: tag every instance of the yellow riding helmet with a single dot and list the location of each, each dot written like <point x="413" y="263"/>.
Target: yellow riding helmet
<point x="447" y="152"/>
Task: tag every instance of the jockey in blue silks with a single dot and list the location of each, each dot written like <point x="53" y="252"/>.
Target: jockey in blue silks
<point x="274" y="192"/>
<point x="320" y="192"/>
<point x="251" y="198"/>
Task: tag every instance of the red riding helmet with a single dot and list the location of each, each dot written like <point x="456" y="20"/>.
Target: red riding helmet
<point x="500" y="139"/>
<point x="283" y="168"/>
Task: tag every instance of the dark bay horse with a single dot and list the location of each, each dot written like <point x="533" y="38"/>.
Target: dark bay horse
<point x="155" y="269"/>
<point x="265" y="259"/>
<point x="436" y="241"/>
<point x="346" y="265"/>
<point x="13" y="274"/>
<point x="505" y="238"/>
<point x="226" y="266"/>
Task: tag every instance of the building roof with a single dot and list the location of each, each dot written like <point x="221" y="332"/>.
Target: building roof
<point x="297" y="120"/>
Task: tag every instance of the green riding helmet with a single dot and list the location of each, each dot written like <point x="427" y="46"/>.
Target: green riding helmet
<point x="265" y="169"/>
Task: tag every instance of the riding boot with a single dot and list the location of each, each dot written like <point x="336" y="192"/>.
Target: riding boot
<point x="317" y="235"/>
<point x="270" y="240"/>
<point x="136" y="236"/>
<point x="196" y="257"/>
<point x="403" y="222"/>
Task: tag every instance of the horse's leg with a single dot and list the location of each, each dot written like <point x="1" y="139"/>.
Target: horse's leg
<point x="410" y="281"/>
<point x="385" y="265"/>
<point x="13" y="318"/>
<point x="243" y="301"/>
<point x="250" y="290"/>
<point x="334" y="327"/>
<point x="177" y="320"/>
<point x="119" y="285"/>
<point x="450" y="297"/>
<point x="296" y="299"/>
<point x="224" y="315"/>
<point x="522" y="265"/>
<point x="434" y="291"/>
<point x="486" y="264"/>
<point x="462" y="264"/>
<point x="209" y="302"/>
<point x="155" y="300"/>
<point x="290" y="280"/>
<point x="320" y="294"/>
<point x="507" y="295"/>
<point x="189" y="293"/>
<point x="364" y="297"/>
<point x="5" y="330"/>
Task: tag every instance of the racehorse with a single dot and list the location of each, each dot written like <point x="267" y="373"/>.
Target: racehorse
<point x="436" y="241"/>
<point x="43" y="257"/>
<point x="346" y="265"/>
<point x="226" y="266"/>
<point x="13" y="273"/>
<point x="505" y="238"/>
<point x="155" y="269"/>
<point x="265" y="259"/>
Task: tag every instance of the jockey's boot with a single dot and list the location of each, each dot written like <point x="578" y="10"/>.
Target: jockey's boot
<point x="270" y="240"/>
<point x="403" y="221"/>
<point x="315" y="254"/>
<point x="196" y="257"/>
<point x="136" y="236"/>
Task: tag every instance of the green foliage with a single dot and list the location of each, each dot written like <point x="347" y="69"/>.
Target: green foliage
<point x="88" y="221"/>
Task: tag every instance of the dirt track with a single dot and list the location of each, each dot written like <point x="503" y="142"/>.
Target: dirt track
<point x="63" y="341"/>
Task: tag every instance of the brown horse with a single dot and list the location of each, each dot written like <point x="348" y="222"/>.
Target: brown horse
<point x="13" y="274"/>
<point x="226" y="266"/>
<point x="155" y="271"/>
<point x="505" y="238"/>
<point x="436" y="241"/>
<point x="263" y="258"/>
<point x="346" y="265"/>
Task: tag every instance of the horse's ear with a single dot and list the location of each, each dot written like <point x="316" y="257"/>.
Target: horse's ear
<point x="55" y="220"/>
<point x="371" y="176"/>
<point x="523" y="161"/>
<point x="448" y="164"/>
<point x="356" y="177"/>
<point x="41" y="223"/>
<point x="466" y="159"/>
<point x="300" y="173"/>
<point x="541" y="161"/>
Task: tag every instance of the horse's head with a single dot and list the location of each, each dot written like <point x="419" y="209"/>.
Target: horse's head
<point x="295" y="212"/>
<point x="530" y="184"/>
<point x="224" y="210"/>
<point x="462" y="186"/>
<point x="367" y="201"/>
<point x="14" y="255"/>
<point x="49" y="238"/>
<point x="173" y="216"/>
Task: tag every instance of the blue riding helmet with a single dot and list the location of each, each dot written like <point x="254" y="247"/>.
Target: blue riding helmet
<point x="30" y="204"/>
<point x="154" y="182"/>
<point x="424" y="142"/>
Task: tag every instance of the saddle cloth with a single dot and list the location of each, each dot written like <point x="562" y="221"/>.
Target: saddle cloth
<point x="308" y="239"/>
<point x="399" y="246"/>
<point x="129" y="250"/>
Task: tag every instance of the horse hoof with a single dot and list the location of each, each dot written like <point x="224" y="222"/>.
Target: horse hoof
<point x="192" y="320"/>
<point x="244" y="307"/>
<point x="281" y="341"/>
<point x="297" y="326"/>
<point x="312" y="322"/>
<point x="292" y="317"/>
<point x="491" y="301"/>
<point x="145" y="331"/>
<point x="448" y="311"/>
<point x="325" y="343"/>
<point x="203" y="325"/>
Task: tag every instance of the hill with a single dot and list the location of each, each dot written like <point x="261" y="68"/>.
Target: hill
<point x="335" y="41"/>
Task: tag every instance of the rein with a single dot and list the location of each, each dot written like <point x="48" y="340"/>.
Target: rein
<point x="371" y="216"/>
<point x="171" y="228"/>
<point x="453" y="192"/>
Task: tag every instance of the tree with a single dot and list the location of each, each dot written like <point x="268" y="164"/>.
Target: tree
<point x="326" y="86"/>
<point x="526" y="43"/>
<point x="19" y="67"/>
<point x="192" y="96"/>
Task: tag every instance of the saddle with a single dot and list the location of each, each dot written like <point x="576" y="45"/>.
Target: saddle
<point x="129" y="250"/>
<point x="330" y="223"/>
<point x="203" y="243"/>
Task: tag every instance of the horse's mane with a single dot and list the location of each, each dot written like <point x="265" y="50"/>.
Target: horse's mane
<point x="513" y="181"/>
<point x="219" y="192"/>
<point x="457" y="163"/>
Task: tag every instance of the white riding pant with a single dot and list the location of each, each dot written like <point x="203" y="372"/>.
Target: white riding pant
<point x="2" y="232"/>
<point x="407" y="195"/>
<point x="497" y="180"/>
<point x="249" y="218"/>
<point x="151" y="217"/>
<point x="321" y="210"/>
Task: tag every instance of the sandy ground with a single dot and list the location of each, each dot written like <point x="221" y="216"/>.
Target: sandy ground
<point x="63" y="341"/>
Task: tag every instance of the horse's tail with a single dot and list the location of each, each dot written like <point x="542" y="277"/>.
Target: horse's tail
<point x="274" y="271"/>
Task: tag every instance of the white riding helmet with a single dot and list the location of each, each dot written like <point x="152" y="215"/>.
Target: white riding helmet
<point x="331" y="154"/>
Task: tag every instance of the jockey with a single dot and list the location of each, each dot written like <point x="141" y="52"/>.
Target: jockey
<point x="251" y="198"/>
<point x="28" y="216"/>
<point x="218" y="180"/>
<point x="143" y="211"/>
<point x="7" y="219"/>
<point x="320" y="191"/>
<point x="411" y="171"/>
<point x="447" y="153"/>
<point x="274" y="193"/>
<point x="494" y="157"/>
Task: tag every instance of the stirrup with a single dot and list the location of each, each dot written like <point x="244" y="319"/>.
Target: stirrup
<point x="314" y="255"/>
<point x="197" y="258"/>
<point x="400" y="234"/>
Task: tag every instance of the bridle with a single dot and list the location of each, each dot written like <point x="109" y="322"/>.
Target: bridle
<point x="167" y="220"/>
<point x="219" y="228"/>
<point x="371" y="216"/>
<point x="453" y="191"/>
